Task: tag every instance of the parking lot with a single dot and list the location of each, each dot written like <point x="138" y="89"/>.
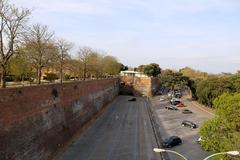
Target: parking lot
<point x="170" y="125"/>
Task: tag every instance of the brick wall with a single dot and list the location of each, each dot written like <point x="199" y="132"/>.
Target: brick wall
<point x="140" y="85"/>
<point x="36" y="121"/>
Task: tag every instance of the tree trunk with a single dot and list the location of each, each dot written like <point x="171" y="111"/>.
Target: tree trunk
<point x="3" y="76"/>
<point x="61" y="73"/>
<point x="84" y="71"/>
<point x="22" y="79"/>
<point x="39" y="74"/>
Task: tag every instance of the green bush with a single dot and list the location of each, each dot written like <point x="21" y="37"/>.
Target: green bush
<point x="51" y="76"/>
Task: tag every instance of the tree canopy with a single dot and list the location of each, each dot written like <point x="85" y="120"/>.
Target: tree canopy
<point x="151" y="69"/>
<point x="222" y="133"/>
<point x="171" y="79"/>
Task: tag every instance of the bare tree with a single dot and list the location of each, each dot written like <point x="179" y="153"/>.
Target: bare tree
<point x="40" y="49"/>
<point x="83" y="55"/>
<point x="12" y="23"/>
<point x="64" y="47"/>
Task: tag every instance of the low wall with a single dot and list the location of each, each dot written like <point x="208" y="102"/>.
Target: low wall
<point x="36" y="121"/>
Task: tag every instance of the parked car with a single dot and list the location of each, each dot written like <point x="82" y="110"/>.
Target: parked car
<point x="169" y="94"/>
<point x="171" y="108"/>
<point x="175" y="101"/>
<point x="162" y="99"/>
<point x="172" y="141"/>
<point x="180" y="105"/>
<point x="190" y="124"/>
<point x="178" y="95"/>
<point x="132" y="99"/>
<point x="194" y="98"/>
<point x="186" y="111"/>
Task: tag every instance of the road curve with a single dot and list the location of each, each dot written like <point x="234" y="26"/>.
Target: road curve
<point x="124" y="131"/>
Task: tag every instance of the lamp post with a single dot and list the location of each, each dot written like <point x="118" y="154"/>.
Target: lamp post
<point x="164" y="150"/>
<point x="233" y="153"/>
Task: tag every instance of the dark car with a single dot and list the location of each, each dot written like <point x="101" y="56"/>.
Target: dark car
<point x="172" y="141"/>
<point x="178" y="95"/>
<point x="189" y="124"/>
<point x="194" y="98"/>
<point x="171" y="108"/>
<point x="186" y="111"/>
<point x="132" y="99"/>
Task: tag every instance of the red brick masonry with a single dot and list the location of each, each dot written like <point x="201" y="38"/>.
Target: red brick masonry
<point x="35" y="121"/>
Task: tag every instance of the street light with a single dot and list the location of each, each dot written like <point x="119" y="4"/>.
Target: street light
<point x="164" y="150"/>
<point x="233" y="153"/>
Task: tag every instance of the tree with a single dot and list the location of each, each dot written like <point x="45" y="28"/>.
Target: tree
<point x="123" y="67"/>
<point x="222" y="133"/>
<point x="40" y="49"/>
<point x="64" y="47"/>
<point x="12" y="23"/>
<point x="83" y="55"/>
<point x="141" y="68"/>
<point x="193" y="74"/>
<point x="173" y="80"/>
<point x="51" y="76"/>
<point x="209" y="89"/>
<point x="95" y="66"/>
<point x="111" y="65"/>
<point x="20" y="67"/>
<point x="152" y="69"/>
<point x="73" y="66"/>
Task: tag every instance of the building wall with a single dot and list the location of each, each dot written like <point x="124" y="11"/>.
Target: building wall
<point x="37" y="121"/>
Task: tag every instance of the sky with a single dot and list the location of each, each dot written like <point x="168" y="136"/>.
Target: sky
<point x="202" y="34"/>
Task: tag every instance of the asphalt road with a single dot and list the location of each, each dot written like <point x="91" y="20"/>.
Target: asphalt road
<point x="170" y="125"/>
<point x="122" y="132"/>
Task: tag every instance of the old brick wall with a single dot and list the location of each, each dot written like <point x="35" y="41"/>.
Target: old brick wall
<point x="36" y="121"/>
<point x="140" y="85"/>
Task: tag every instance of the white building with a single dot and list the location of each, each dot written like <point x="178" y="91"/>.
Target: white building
<point x="132" y="74"/>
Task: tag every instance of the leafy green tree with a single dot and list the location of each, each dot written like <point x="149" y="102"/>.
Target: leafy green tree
<point x="122" y="67"/>
<point x="95" y="65"/>
<point x="140" y="68"/>
<point x="234" y="81"/>
<point x="111" y="65"/>
<point x="74" y="68"/>
<point x="209" y="89"/>
<point x="222" y="133"/>
<point x="193" y="74"/>
<point x="173" y="80"/>
<point x="20" y="67"/>
<point x="152" y="69"/>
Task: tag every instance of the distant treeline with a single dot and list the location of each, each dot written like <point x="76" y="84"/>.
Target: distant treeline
<point x="207" y="87"/>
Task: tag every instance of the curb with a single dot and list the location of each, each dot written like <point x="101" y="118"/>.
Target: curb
<point x="154" y="122"/>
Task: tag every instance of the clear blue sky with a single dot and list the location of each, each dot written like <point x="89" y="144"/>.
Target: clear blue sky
<point x="203" y="34"/>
